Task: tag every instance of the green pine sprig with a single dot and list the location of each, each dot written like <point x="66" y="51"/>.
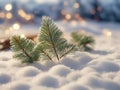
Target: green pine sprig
<point x="51" y="40"/>
<point x="83" y="41"/>
<point x="51" y="45"/>
<point x="24" y="49"/>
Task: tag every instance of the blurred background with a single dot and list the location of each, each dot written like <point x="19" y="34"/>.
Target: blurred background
<point x="24" y="16"/>
<point x="30" y="11"/>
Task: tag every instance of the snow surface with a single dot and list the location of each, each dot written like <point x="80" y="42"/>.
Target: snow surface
<point x="97" y="70"/>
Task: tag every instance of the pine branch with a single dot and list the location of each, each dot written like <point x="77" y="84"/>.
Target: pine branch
<point x="24" y="49"/>
<point x="51" y="39"/>
<point x="52" y="42"/>
<point x="21" y="47"/>
<point x="72" y="48"/>
<point x="40" y="47"/>
<point x="83" y="41"/>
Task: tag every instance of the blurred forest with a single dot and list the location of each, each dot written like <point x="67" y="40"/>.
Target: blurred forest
<point x="31" y="11"/>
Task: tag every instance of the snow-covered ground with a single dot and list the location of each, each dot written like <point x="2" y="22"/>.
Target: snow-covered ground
<point x="97" y="70"/>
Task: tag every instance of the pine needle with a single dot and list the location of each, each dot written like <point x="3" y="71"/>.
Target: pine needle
<point x="51" y="39"/>
<point x="24" y="49"/>
<point x="83" y="41"/>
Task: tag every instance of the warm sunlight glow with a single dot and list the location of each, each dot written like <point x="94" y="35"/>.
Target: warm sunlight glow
<point x="63" y="12"/>
<point x="8" y="7"/>
<point x="76" y="5"/>
<point x="68" y="16"/>
<point x="21" y="13"/>
<point x="16" y="26"/>
<point x="9" y="15"/>
<point x="73" y="23"/>
<point x="28" y="17"/>
<point x="107" y="33"/>
<point x="24" y="15"/>
<point x="22" y="35"/>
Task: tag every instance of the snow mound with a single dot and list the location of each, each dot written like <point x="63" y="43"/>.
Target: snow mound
<point x="98" y="82"/>
<point x="41" y="88"/>
<point x="69" y="62"/>
<point x="4" y="78"/>
<point x="60" y="70"/>
<point x="97" y="70"/>
<point x="73" y="76"/>
<point x="19" y="86"/>
<point x="87" y="70"/>
<point x="74" y="86"/>
<point x="46" y="80"/>
<point x="82" y="55"/>
<point x="28" y="71"/>
<point x="107" y="66"/>
<point x="84" y="58"/>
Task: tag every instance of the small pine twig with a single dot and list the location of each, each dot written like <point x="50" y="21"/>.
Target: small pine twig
<point x="82" y="41"/>
<point x="22" y="48"/>
<point x="51" y="40"/>
<point x="67" y="52"/>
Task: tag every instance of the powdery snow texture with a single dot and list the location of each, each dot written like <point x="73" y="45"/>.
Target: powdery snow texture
<point x="98" y="70"/>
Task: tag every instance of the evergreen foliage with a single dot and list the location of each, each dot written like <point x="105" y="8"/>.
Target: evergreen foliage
<point x="24" y="49"/>
<point x="50" y="45"/>
<point x="51" y="40"/>
<point x="83" y="41"/>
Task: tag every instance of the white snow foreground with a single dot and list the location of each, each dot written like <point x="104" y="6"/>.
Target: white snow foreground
<point x="98" y="70"/>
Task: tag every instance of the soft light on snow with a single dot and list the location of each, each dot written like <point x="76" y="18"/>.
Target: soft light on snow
<point x="4" y="78"/>
<point x="97" y="70"/>
<point x="46" y="80"/>
<point x="28" y="71"/>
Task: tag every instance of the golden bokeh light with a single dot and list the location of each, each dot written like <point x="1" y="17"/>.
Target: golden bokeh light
<point x="73" y="23"/>
<point x="107" y="32"/>
<point x="28" y="17"/>
<point x="76" y="5"/>
<point x="9" y="15"/>
<point x="22" y="36"/>
<point x="16" y="26"/>
<point x="68" y="16"/>
<point x="8" y="7"/>
<point x="24" y="15"/>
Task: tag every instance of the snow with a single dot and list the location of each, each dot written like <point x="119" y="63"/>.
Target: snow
<point x="46" y="80"/>
<point x="96" y="70"/>
<point x="60" y="70"/>
<point x="4" y="78"/>
<point x="28" y="71"/>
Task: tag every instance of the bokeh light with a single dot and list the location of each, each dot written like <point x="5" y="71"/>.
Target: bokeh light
<point x="8" y="7"/>
<point x="16" y="26"/>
